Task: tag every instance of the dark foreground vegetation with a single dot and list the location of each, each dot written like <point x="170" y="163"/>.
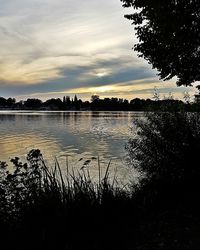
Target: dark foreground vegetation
<point x="106" y="104"/>
<point x="41" y="209"/>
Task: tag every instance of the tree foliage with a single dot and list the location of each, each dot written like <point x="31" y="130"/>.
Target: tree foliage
<point x="169" y="36"/>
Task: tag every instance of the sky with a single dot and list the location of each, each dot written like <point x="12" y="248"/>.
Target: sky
<point x="52" y="48"/>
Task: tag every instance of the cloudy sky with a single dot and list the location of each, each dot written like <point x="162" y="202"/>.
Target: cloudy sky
<point x="51" y="48"/>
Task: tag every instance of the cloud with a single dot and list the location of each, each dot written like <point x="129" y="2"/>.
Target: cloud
<point x="54" y="46"/>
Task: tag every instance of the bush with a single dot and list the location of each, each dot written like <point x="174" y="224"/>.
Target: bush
<point x="165" y="150"/>
<point x="166" y="146"/>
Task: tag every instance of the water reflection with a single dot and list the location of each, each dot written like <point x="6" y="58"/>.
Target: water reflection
<point x="78" y="135"/>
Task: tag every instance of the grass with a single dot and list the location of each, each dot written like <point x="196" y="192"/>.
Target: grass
<point x="46" y="210"/>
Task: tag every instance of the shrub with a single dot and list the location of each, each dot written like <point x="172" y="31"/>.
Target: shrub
<point x="166" y="146"/>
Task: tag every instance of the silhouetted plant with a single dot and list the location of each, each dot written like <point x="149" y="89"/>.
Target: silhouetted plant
<point x="29" y="181"/>
<point x="22" y="183"/>
<point x="166" y="145"/>
<point x="41" y="209"/>
<point x="42" y="201"/>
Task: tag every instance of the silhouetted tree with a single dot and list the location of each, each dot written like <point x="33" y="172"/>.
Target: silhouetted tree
<point x="54" y="104"/>
<point x="94" y="97"/>
<point x="11" y="102"/>
<point x="75" y="99"/>
<point x="67" y="100"/>
<point x="126" y="104"/>
<point x="3" y="102"/>
<point x="19" y="105"/>
<point x="33" y="103"/>
<point x="137" y="104"/>
<point x="169" y="36"/>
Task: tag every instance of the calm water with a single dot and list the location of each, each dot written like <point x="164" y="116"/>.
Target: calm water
<point x="81" y="136"/>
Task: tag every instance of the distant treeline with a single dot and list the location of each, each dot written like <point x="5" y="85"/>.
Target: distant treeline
<point x="97" y="104"/>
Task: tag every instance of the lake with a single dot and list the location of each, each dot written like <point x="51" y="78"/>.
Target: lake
<point x="77" y="137"/>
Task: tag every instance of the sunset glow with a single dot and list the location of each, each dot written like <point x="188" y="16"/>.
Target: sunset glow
<point x="71" y="47"/>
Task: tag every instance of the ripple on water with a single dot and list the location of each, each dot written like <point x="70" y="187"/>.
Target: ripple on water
<point x="78" y="135"/>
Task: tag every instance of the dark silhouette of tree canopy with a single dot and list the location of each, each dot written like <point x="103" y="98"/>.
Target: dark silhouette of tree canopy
<point x="106" y="104"/>
<point x="3" y="101"/>
<point x="11" y="102"/>
<point x="169" y="36"/>
<point x="33" y="103"/>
